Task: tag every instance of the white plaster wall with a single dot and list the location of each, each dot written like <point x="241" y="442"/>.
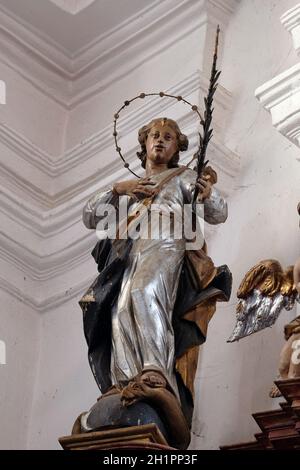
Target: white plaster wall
<point x="32" y="114"/>
<point x="65" y="386"/>
<point x="27" y="116"/>
<point x="161" y="71"/>
<point x="20" y="330"/>
<point x="233" y="380"/>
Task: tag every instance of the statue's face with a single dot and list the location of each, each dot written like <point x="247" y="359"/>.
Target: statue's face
<point x="161" y="143"/>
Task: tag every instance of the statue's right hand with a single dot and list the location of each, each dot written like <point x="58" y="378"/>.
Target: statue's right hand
<point x="139" y="189"/>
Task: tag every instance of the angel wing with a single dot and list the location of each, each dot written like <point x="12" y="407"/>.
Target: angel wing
<point x="264" y="292"/>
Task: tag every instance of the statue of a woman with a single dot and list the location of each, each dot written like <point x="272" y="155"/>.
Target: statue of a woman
<point x="147" y="312"/>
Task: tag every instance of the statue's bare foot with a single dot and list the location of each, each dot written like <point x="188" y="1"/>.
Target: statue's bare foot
<point x="153" y="379"/>
<point x="151" y="386"/>
<point x="141" y="386"/>
<point x="132" y="393"/>
<point x="275" y="392"/>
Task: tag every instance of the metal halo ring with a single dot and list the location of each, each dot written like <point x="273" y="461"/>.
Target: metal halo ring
<point x="161" y="94"/>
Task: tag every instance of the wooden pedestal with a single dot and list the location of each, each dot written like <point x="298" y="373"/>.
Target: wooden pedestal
<point x="133" y="438"/>
<point x="280" y="428"/>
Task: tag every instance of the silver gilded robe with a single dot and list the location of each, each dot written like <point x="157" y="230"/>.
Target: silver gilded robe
<point x="142" y="333"/>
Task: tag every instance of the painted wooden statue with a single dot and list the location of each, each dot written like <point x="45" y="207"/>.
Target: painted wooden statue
<point x="147" y="312"/>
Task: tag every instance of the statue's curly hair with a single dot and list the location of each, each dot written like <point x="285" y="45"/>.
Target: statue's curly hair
<point x="182" y="140"/>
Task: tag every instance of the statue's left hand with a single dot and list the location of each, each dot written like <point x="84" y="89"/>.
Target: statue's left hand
<point x="204" y="187"/>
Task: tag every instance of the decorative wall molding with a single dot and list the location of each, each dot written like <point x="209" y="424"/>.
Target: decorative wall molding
<point x="43" y="184"/>
<point x="56" y="220"/>
<point x="120" y="51"/>
<point x="291" y="22"/>
<point x="148" y="108"/>
<point x="27" y="150"/>
<point x="56" y="192"/>
<point x="42" y="195"/>
<point x="46" y="266"/>
<point x="34" y="56"/>
<point x="72" y="6"/>
<point x="44" y="236"/>
<point x="50" y="302"/>
<point x="61" y="242"/>
<point x="281" y="95"/>
<point x="71" y="79"/>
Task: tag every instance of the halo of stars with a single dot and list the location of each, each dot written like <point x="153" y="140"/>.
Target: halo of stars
<point x="161" y="94"/>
